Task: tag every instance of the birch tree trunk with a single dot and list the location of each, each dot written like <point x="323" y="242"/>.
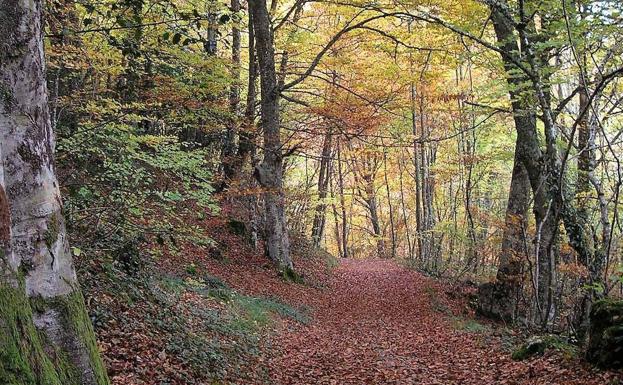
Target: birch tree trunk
<point x="45" y="333"/>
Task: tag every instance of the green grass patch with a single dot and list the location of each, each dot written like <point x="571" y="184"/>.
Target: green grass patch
<point x="249" y="313"/>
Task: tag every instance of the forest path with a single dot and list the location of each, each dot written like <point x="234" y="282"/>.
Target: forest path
<point x="377" y="324"/>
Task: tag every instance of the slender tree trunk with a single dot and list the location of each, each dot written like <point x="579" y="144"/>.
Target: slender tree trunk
<point x="246" y="145"/>
<point x="269" y="172"/>
<point x="391" y="207"/>
<point x="404" y="206"/>
<point x="210" y="44"/>
<point x="44" y="298"/>
<point x="371" y="203"/>
<point x="345" y="253"/>
<point x="323" y="183"/>
<point x="336" y="222"/>
<point x="230" y="169"/>
<point x="417" y="178"/>
<point x="247" y="137"/>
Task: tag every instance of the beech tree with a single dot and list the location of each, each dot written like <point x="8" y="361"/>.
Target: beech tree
<point x="269" y="172"/>
<point x="46" y="335"/>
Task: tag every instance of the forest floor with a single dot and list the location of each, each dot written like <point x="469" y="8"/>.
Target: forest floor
<point x="378" y="322"/>
<point x="197" y="315"/>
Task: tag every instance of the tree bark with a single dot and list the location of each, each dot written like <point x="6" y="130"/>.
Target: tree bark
<point x="43" y="294"/>
<point x="269" y="172"/>
<point x="391" y="207"/>
<point x="499" y="299"/>
<point x="404" y="206"/>
<point x="340" y="174"/>
<point x="416" y="176"/>
<point x="541" y="172"/>
<point x="230" y="169"/>
<point x="323" y="183"/>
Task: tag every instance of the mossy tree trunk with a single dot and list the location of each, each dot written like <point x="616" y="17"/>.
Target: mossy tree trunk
<point x="45" y="332"/>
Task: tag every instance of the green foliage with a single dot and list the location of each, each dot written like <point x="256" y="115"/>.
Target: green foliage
<point x="124" y="183"/>
<point x="137" y="109"/>
<point x="191" y="269"/>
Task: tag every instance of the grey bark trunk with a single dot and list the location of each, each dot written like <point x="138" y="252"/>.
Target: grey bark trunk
<point x="269" y="172"/>
<point x="229" y="161"/>
<point x="392" y="227"/>
<point x="404" y="206"/>
<point x="417" y="178"/>
<point x="323" y="183"/>
<point x="39" y="249"/>
<point x="340" y="174"/>
<point x="546" y="207"/>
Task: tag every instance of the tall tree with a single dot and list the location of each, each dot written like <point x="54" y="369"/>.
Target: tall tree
<point x="323" y="184"/>
<point x="230" y="168"/>
<point x="269" y="172"/>
<point x="45" y="329"/>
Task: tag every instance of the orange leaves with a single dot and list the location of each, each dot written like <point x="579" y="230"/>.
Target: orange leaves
<point x="377" y="324"/>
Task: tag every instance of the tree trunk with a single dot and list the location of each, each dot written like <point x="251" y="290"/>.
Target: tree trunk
<point x="541" y="173"/>
<point x="594" y="257"/>
<point x="370" y="200"/>
<point x="229" y="161"/>
<point x="404" y="206"/>
<point x="417" y="179"/>
<point x="323" y="183"/>
<point x="391" y="207"/>
<point x="499" y="299"/>
<point x="210" y="44"/>
<point x="336" y="221"/>
<point x="45" y="333"/>
<point x="340" y="174"/>
<point x="270" y="172"/>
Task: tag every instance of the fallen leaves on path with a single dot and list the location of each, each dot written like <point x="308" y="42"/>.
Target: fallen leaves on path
<point x="377" y="324"/>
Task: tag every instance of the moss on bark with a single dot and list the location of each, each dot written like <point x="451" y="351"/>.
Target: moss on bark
<point x="28" y="356"/>
<point x="23" y="360"/>
<point x="605" y="346"/>
<point x="77" y="334"/>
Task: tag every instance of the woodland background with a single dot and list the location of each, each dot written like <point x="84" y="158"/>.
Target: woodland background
<point x="476" y="142"/>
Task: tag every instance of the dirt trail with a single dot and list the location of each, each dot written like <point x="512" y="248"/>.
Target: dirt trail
<point x="379" y="323"/>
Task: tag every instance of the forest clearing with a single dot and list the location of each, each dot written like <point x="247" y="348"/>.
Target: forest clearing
<point x="202" y="192"/>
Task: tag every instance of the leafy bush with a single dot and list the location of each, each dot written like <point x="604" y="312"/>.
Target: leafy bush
<point x="124" y="186"/>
